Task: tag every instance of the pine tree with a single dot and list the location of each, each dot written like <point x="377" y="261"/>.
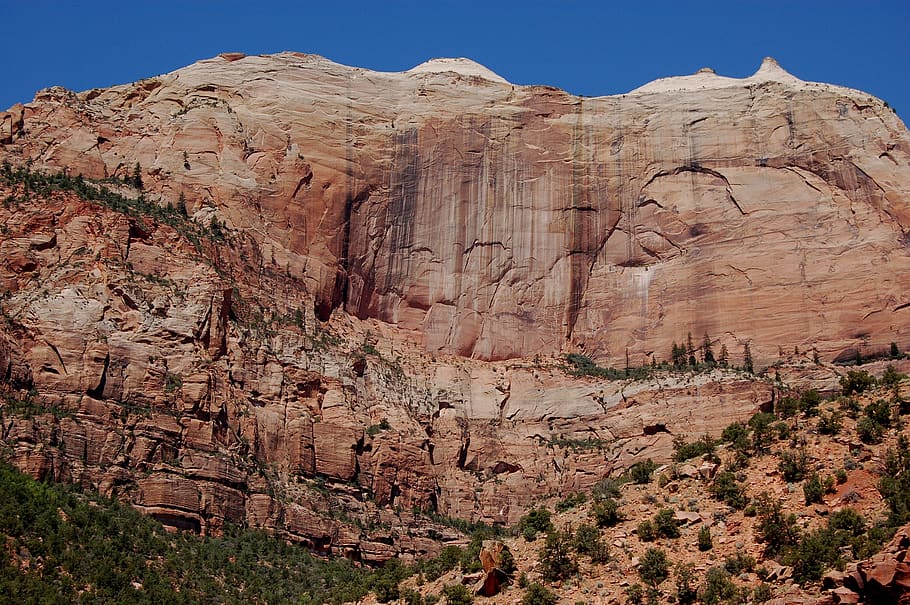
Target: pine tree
<point x="136" y="180"/>
<point x="724" y="356"/>
<point x="678" y="356"/>
<point x="690" y="349"/>
<point x="747" y="359"/>
<point x="707" y="352"/>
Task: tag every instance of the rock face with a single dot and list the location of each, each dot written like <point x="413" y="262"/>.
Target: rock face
<point x="495" y="221"/>
<point x="362" y="308"/>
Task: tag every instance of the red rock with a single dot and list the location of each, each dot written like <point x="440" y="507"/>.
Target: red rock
<point x="845" y="596"/>
<point x="335" y="299"/>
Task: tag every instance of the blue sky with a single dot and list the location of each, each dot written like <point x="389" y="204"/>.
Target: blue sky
<point x="590" y="48"/>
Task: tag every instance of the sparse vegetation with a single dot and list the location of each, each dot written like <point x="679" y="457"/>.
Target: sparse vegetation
<point x="683" y="450"/>
<point x="45" y="184"/>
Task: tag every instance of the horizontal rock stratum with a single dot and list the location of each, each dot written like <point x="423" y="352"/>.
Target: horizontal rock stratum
<point x="363" y="309"/>
<point x="496" y="221"/>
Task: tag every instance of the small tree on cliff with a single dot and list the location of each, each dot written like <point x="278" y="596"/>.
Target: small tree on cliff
<point x="690" y="349"/>
<point x="747" y="359"/>
<point x="678" y="356"/>
<point x="707" y="351"/>
<point x="724" y="359"/>
<point x="136" y="179"/>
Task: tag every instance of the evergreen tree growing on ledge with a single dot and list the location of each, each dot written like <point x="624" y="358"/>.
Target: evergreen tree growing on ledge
<point x="747" y="359"/>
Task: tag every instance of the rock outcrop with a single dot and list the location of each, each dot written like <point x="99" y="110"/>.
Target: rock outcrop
<point x="496" y="221"/>
<point x="354" y="309"/>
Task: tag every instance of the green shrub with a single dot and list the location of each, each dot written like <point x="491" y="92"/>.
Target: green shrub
<point x="641" y="471"/>
<point x="570" y="502"/>
<point x="787" y="407"/>
<point x="686" y="592"/>
<point x="813" y="490"/>
<point x="635" y="594"/>
<point x="665" y="523"/>
<point x="736" y="434"/>
<point x="869" y="431"/>
<point x="879" y="412"/>
<point x="411" y="597"/>
<point x="587" y="541"/>
<point x="646" y="531"/>
<point x="654" y="567"/>
<point x="538" y="595"/>
<point x="705" y="543"/>
<point x="793" y="465"/>
<point x="776" y="529"/>
<point x="586" y="536"/>
<point x="761" y="430"/>
<point x="892" y="377"/>
<point x="556" y="560"/>
<point x="606" y="512"/>
<point x="457" y="594"/>
<point x="172" y="382"/>
<point x="726" y="488"/>
<point x="387" y="579"/>
<point x="809" y="401"/>
<point x="375" y="429"/>
<point x="856" y="381"/>
<point x="829" y="424"/>
<point x="761" y="593"/>
<point x="536" y="521"/>
<point x="447" y="560"/>
<point x="606" y="488"/>
<point x="507" y="561"/>
<point x="895" y="482"/>
<point x="815" y="552"/>
<point x="739" y="563"/>
<point x="717" y="588"/>
<point x="782" y="429"/>
<point x="684" y="451"/>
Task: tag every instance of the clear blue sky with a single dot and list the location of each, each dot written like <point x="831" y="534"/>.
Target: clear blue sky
<point x="593" y="48"/>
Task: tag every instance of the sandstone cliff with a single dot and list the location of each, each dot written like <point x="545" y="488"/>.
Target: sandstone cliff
<point x="370" y="262"/>
<point x="496" y="221"/>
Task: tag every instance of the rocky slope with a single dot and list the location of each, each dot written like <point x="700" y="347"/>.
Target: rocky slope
<point x="355" y="306"/>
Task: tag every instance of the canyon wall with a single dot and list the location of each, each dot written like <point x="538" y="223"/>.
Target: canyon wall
<point x="495" y="221"/>
<point x="343" y="297"/>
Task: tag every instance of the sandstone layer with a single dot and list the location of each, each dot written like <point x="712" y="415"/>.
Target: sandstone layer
<point x="496" y="221"/>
